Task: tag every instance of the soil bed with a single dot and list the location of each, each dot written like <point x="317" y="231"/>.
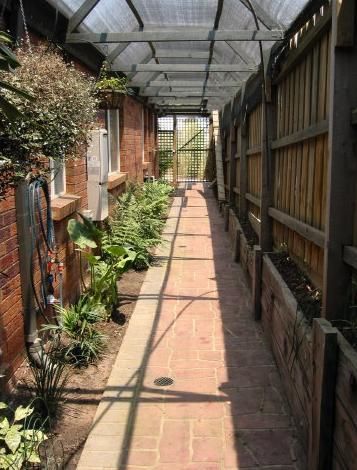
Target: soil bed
<point x="307" y="296"/>
<point x="86" y="386"/>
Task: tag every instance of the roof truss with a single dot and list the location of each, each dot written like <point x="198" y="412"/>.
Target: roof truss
<point x="184" y="34"/>
<point x="185" y="68"/>
<point x="207" y="88"/>
<point x="185" y="84"/>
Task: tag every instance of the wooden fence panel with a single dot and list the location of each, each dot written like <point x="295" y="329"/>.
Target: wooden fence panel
<point x="301" y="163"/>
<point x="237" y="159"/>
<point x="254" y="160"/>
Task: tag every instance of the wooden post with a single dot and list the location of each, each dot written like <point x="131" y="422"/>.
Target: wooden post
<point x="236" y="247"/>
<point x="257" y="281"/>
<point x="342" y="165"/>
<point x="268" y="134"/>
<point x="243" y="177"/>
<point x="325" y="349"/>
<point x="174" y="151"/>
<point x="219" y="157"/>
<point x="232" y="163"/>
<point x="226" y="217"/>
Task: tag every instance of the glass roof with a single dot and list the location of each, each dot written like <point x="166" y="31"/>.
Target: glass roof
<point x="160" y="15"/>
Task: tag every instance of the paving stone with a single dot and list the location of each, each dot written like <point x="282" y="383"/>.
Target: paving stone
<point x="193" y="322"/>
<point x="207" y="449"/>
<point x="174" y="445"/>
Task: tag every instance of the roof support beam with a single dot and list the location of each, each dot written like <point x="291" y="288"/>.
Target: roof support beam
<point x="211" y="47"/>
<point x="117" y="51"/>
<point x="187" y="34"/>
<point x="185" y="84"/>
<point x="81" y="14"/>
<point x="240" y="53"/>
<point x="187" y="93"/>
<point x="262" y="15"/>
<point x="177" y="54"/>
<point x="182" y="68"/>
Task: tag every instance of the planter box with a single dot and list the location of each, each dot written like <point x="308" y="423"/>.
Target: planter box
<point x="110" y="99"/>
<point x="245" y="250"/>
<point x="345" y="430"/>
<point x="291" y="342"/>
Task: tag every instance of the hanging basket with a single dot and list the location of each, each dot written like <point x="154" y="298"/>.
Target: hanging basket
<point x="110" y="99"/>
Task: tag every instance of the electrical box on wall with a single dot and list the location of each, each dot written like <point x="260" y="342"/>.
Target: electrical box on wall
<point x="97" y="165"/>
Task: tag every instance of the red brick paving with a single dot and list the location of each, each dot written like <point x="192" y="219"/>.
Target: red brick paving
<point x="225" y="409"/>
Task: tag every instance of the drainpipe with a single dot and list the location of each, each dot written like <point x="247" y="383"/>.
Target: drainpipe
<point x="33" y="342"/>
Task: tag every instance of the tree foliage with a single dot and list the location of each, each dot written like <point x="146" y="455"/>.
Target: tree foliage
<point x="56" y="124"/>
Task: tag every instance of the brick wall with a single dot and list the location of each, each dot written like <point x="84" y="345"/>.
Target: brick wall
<point x="11" y="321"/>
<point x="11" y="312"/>
<point x="132" y="140"/>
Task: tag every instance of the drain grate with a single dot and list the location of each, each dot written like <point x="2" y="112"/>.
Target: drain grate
<point x="163" y="381"/>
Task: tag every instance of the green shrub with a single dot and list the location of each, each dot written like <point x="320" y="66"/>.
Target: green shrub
<point x="137" y="221"/>
<point x="49" y="379"/>
<point x="82" y="342"/>
<point x="106" y="268"/>
<point x="19" y="437"/>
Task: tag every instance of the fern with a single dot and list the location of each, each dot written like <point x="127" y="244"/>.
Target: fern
<point x="137" y="220"/>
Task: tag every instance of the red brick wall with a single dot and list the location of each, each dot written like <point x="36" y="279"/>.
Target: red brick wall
<point x="150" y="140"/>
<point x="130" y="139"/>
<point x="11" y="320"/>
<point x="11" y="312"/>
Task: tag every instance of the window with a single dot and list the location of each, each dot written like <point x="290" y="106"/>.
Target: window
<point x="143" y="133"/>
<point x="113" y="140"/>
<point x="58" y="178"/>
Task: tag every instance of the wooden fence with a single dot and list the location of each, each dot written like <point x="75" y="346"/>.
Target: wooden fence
<point x="290" y="169"/>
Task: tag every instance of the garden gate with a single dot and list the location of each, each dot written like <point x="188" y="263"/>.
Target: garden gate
<point x="183" y="146"/>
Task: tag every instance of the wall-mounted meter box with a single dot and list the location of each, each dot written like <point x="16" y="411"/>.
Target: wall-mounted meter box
<point x="97" y="167"/>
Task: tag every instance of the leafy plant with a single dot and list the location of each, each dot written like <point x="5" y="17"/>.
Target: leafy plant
<point x="105" y="269"/>
<point x="8" y="63"/>
<point x="109" y="82"/>
<point x="84" y="234"/>
<point x="19" y="437"/>
<point x="50" y="377"/>
<point x="137" y="220"/>
<point x="56" y="125"/>
<point x="106" y="272"/>
<point x="83" y="343"/>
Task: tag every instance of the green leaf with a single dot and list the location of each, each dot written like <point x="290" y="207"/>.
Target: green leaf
<point x="34" y="458"/>
<point x="18" y="91"/>
<point x="22" y="413"/>
<point x="4" y="426"/>
<point x="3" y="405"/>
<point x="116" y="250"/>
<point x="13" y="439"/>
<point x="10" y="111"/>
<point x="9" y="56"/>
<point x="80" y="234"/>
<point x="92" y="260"/>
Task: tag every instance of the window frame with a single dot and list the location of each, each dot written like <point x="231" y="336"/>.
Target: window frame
<point x="109" y="131"/>
<point x="54" y="176"/>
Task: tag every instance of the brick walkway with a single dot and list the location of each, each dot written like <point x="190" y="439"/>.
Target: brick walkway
<point x="193" y="322"/>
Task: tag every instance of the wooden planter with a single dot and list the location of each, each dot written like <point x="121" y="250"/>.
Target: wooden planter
<point x="110" y="99"/>
<point x="299" y="356"/>
<point x="244" y="249"/>
<point x="291" y="341"/>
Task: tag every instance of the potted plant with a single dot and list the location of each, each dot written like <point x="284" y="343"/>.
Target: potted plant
<point x="110" y="89"/>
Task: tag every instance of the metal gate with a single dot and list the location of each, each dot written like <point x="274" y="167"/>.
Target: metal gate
<point x="183" y="146"/>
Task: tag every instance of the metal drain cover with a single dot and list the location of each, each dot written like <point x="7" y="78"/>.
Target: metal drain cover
<point x="163" y="381"/>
